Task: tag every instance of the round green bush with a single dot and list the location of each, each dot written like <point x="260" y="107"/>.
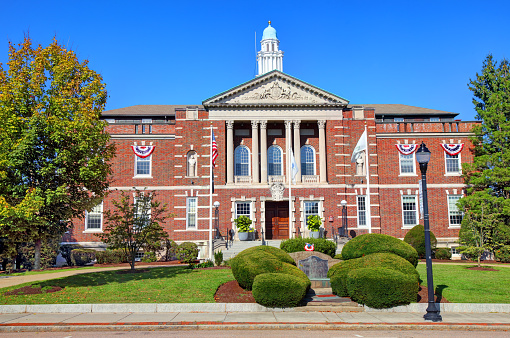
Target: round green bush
<point x="367" y="244"/>
<point x="278" y="253"/>
<point x="416" y="238"/>
<point x="381" y="288"/>
<point x="278" y="290"/>
<point x="298" y="244"/>
<point x="187" y="252"/>
<point x="443" y="253"/>
<point x="338" y="272"/>
<point x="81" y="257"/>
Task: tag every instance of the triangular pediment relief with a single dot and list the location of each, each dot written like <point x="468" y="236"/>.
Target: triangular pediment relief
<point x="275" y="88"/>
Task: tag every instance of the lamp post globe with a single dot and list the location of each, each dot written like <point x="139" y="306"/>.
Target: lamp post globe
<point x="423" y="158"/>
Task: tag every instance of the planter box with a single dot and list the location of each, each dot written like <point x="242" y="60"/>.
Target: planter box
<point x="314" y="234"/>
<point x="243" y="236"/>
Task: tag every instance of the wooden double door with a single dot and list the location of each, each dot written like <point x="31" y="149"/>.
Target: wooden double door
<point x="277" y="220"/>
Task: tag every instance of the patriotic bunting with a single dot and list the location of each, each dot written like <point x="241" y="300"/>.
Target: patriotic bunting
<point x="143" y="151"/>
<point x="406" y="149"/>
<point x="452" y="149"/>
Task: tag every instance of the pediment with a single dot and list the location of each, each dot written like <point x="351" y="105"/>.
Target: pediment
<point x="275" y="89"/>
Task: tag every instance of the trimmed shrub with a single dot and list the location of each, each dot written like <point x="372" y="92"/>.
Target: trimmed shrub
<point x="339" y="256"/>
<point x="503" y="254"/>
<point x="187" y="252"/>
<point x="245" y="267"/>
<point x="416" y="238"/>
<point x="338" y="272"/>
<point x="80" y="257"/>
<point x="66" y="249"/>
<point x="381" y="288"/>
<point x="206" y="264"/>
<point x="443" y="253"/>
<point x="218" y="258"/>
<point x="278" y="253"/>
<point x="149" y="257"/>
<point x="298" y="244"/>
<point x="116" y="256"/>
<point x="278" y="290"/>
<point x="367" y="244"/>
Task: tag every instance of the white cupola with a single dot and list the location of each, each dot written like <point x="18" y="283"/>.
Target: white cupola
<point x="270" y="57"/>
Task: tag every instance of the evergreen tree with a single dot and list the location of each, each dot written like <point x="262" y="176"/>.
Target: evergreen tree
<point x="486" y="223"/>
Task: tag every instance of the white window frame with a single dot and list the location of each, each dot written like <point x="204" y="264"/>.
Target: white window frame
<point x="248" y="164"/>
<point x="249" y="215"/>
<point x="135" y="200"/>
<point x="450" y="212"/>
<point x="88" y="214"/>
<point x="270" y="160"/>
<point x="305" y="214"/>
<point x="417" y="215"/>
<point x="452" y="173"/>
<point x="191" y="212"/>
<point x="400" y="155"/>
<point x="359" y="211"/>
<point x="303" y="159"/>
<point x="146" y="159"/>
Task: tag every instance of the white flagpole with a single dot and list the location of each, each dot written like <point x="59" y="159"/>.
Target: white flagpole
<point x="210" y="197"/>
<point x="369" y="214"/>
<point x="290" y="192"/>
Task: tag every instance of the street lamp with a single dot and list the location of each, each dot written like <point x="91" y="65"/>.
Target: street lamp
<point x="423" y="158"/>
<point x="343" y="203"/>
<point x="217" y="218"/>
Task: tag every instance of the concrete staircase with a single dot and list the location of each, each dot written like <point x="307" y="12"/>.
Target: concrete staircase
<point x="323" y="300"/>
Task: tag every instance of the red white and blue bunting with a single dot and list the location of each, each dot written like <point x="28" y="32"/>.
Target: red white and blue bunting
<point x="143" y="151"/>
<point x="452" y="149"/>
<point x="406" y="149"/>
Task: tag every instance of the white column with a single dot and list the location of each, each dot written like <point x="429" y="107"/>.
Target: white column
<point x="255" y="151"/>
<point x="297" y="149"/>
<point x="322" y="151"/>
<point x="288" y="138"/>
<point x="230" y="152"/>
<point x="263" y="152"/>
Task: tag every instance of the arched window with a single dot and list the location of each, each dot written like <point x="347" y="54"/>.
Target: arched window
<point x="242" y="161"/>
<point x="274" y="161"/>
<point x="307" y="160"/>
<point x="191" y="163"/>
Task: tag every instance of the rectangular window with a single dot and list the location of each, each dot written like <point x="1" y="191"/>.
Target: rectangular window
<point x="434" y="119"/>
<point x="409" y="210"/>
<point x="362" y="211"/>
<point x="191" y="213"/>
<point x="244" y="209"/>
<point x="140" y="213"/>
<point x="398" y="119"/>
<point x="455" y="215"/>
<point x="94" y="218"/>
<point x="452" y="164"/>
<point x="143" y="166"/>
<point x="455" y="250"/>
<point x="311" y="208"/>
<point x="407" y="164"/>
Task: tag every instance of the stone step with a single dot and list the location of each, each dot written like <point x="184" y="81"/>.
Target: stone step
<point x="326" y="308"/>
<point x="322" y="299"/>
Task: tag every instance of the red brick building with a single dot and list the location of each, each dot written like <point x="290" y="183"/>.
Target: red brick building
<point x="254" y="125"/>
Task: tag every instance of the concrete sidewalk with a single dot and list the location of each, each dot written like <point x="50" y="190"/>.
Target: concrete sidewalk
<point x="133" y="321"/>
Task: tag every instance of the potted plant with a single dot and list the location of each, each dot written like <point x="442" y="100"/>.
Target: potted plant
<point x="243" y="227"/>
<point x="314" y="223"/>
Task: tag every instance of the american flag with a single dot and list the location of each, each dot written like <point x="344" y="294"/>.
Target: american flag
<point x="214" y="147"/>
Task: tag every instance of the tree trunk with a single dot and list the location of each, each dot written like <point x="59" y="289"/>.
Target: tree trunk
<point x="479" y="260"/>
<point x="37" y="258"/>
<point x="132" y="263"/>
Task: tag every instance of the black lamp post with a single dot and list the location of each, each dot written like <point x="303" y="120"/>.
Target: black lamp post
<point x="423" y="158"/>
<point x="217" y="218"/>
<point x="343" y="203"/>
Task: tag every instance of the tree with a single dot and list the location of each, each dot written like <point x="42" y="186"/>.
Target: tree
<point x="487" y="202"/>
<point x="54" y="162"/>
<point x="135" y="224"/>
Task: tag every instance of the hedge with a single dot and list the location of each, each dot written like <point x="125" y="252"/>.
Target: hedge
<point x="278" y="290"/>
<point x="80" y="257"/>
<point x="245" y="267"/>
<point x="367" y="244"/>
<point x="503" y="254"/>
<point x="298" y="244"/>
<point x="416" y="238"/>
<point x="187" y="252"/>
<point x="111" y="257"/>
<point x="338" y="272"/>
<point x="443" y="253"/>
<point x="381" y="288"/>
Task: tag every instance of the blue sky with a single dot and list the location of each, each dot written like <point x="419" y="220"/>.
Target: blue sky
<point x="419" y="53"/>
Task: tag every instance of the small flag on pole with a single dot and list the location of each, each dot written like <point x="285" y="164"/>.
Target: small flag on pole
<point x="214" y="148"/>
<point x="293" y="167"/>
<point x="360" y="146"/>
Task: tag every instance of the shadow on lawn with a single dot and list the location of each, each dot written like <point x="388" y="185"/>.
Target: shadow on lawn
<point x="107" y="277"/>
<point x="439" y="292"/>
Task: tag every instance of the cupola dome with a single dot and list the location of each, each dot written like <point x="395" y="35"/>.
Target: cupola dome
<point x="269" y="32"/>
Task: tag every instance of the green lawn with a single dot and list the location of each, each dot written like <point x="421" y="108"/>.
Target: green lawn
<point x="42" y="272"/>
<point x="157" y="285"/>
<point x="459" y="285"/>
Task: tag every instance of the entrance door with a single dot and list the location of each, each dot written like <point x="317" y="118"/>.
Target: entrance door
<point x="277" y="220"/>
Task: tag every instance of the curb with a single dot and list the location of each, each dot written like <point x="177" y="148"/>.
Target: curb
<point x="248" y="326"/>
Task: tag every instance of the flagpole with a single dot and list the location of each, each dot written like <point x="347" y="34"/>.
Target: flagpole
<point x="290" y="192"/>
<point x="369" y="213"/>
<point x="211" y="196"/>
